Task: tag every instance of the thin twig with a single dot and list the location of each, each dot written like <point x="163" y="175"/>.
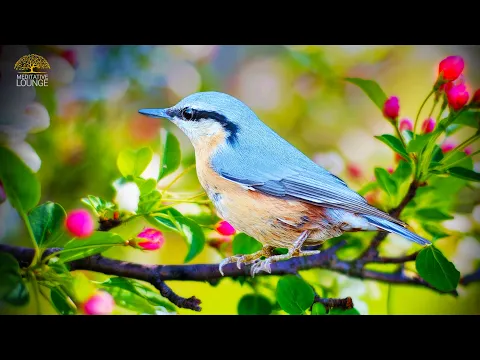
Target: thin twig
<point x="371" y="252"/>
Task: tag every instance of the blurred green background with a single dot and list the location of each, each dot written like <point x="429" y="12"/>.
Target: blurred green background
<point x="95" y="91"/>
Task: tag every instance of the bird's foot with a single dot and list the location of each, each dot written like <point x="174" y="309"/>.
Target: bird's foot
<point x="294" y="251"/>
<point x="246" y="259"/>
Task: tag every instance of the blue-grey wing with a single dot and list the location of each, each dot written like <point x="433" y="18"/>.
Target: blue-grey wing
<point x="295" y="176"/>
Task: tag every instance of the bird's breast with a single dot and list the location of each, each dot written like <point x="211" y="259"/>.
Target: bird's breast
<point x="271" y="220"/>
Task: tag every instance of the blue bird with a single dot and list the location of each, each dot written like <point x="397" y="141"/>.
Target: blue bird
<point x="264" y="186"/>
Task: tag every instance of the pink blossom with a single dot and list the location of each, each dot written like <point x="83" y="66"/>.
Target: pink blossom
<point x="224" y="228"/>
<point x="447" y="146"/>
<point x="406" y="124"/>
<point x="391" y="108"/>
<point x="152" y="239"/>
<point x="476" y="98"/>
<point x="457" y="96"/>
<point x="450" y="68"/>
<point x="354" y="171"/>
<point x="101" y="303"/>
<point x="428" y="125"/>
<point x="80" y="223"/>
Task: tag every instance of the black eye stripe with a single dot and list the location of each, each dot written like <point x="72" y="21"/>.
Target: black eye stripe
<point x="189" y="114"/>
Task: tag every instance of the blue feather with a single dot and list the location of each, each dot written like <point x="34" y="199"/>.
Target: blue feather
<point x="396" y="229"/>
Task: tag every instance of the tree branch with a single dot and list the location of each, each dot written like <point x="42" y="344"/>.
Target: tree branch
<point x="158" y="274"/>
<point x="344" y="304"/>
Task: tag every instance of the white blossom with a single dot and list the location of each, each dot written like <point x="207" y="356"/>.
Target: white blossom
<point x="127" y="196"/>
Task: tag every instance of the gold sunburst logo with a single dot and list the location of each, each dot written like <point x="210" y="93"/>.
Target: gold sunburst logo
<point x="30" y="72"/>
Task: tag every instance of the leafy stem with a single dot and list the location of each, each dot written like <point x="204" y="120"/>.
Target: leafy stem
<point x="32" y="236"/>
<point x="399" y="135"/>
<point x="420" y="110"/>
<point x="79" y="248"/>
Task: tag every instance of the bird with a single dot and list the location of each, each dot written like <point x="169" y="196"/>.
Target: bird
<point x="267" y="188"/>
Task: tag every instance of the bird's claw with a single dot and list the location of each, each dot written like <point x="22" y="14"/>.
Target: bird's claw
<point x="262" y="265"/>
<point x="239" y="259"/>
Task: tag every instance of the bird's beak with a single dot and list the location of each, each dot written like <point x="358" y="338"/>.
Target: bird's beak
<point x="156" y="113"/>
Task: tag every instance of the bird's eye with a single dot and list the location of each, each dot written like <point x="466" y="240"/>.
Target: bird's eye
<point x="187" y="113"/>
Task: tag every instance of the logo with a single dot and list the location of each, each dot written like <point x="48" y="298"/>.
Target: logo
<point x="29" y="70"/>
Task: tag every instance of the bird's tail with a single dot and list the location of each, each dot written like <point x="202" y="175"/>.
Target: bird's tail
<point x="396" y="229"/>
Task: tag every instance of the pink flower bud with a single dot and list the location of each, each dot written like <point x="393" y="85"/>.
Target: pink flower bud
<point x="476" y="99"/>
<point x="391" y="108"/>
<point x="224" y="228"/>
<point x="354" y="171"/>
<point x="406" y="124"/>
<point x="467" y="150"/>
<point x="152" y="239"/>
<point x="447" y="146"/>
<point x="3" y="195"/>
<point x="457" y="96"/>
<point x="450" y="68"/>
<point x="79" y="223"/>
<point x="428" y="125"/>
<point x="101" y="303"/>
<point x="390" y="170"/>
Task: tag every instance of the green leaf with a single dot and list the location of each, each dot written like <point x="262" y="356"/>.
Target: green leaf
<point x="19" y="181"/>
<point x="9" y="274"/>
<point x="145" y="186"/>
<point x="435" y="269"/>
<point x="98" y="242"/>
<point x="432" y="214"/>
<point x="294" y="295"/>
<point x="395" y="144"/>
<point x="82" y="287"/>
<point x="385" y="181"/>
<point x="319" y="309"/>
<point x="418" y="144"/>
<point x="468" y="118"/>
<point x="129" y="300"/>
<point x="141" y="290"/>
<point x="243" y="244"/>
<point x="193" y="235"/>
<point x="435" y="230"/>
<point x="149" y="202"/>
<point x="134" y="162"/>
<point x="60" y="302"/>
<point x="189" y="229"/>
<point x="171" y="154"/>
<point x="254" y="305"/>
<point x="165" y="222"/>
<point x="372" y="89"/>
<point x="97" y="204"/>
<point x="19" y="296"/>
<point x="368" y="187"/>
<point x="437" y="154"/>
<point x="47" y="221"/>
<point x="337" y="311"/>
<point x="465" y="174"/>
<point x="402" y="173"/>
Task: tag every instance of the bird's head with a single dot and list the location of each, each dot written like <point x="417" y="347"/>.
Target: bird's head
<point x="207" y="117"/>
